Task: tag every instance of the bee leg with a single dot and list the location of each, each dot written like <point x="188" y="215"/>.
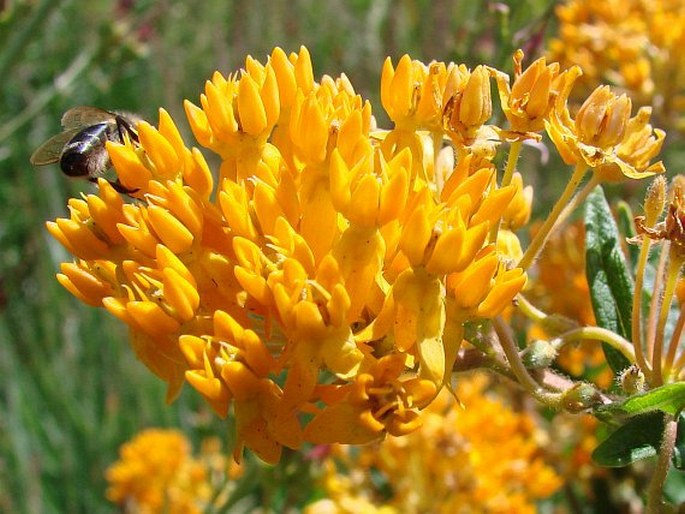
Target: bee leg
<point x="124" y="127"/>
<point x="118" y="186"/>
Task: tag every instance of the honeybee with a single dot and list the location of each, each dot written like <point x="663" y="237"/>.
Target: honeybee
<point x="80" y="148"/>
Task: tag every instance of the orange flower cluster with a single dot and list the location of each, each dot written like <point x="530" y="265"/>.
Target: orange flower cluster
<point x="634" y="44"/>
<point x="488" y="458"/>
<point x="321" y="287"/>
<point x="156" y="473"/>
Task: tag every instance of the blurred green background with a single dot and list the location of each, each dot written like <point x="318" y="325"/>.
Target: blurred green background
<point x="71" y="390"/>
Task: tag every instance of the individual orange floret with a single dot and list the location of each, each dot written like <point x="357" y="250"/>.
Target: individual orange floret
<point x="377" y="402"/>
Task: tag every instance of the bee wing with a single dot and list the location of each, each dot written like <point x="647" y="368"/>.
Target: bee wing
<point x="83" y="115"/>
<point x="51" y="150"/>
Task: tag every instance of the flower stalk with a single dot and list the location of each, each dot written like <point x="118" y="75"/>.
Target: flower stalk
<point x="674" y="344"/>
<point x="658" y="366"/>
<point x="514" y="153"/>
<point x="522" y="375"/>
<point x="636" y="325"/>
<point x="538" y="242"/>
<point x="655" y="489"/>
<point x="596" y="334"/>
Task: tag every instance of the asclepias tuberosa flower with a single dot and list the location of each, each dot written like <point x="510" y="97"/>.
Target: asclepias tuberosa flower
<point x="327" y="279"/>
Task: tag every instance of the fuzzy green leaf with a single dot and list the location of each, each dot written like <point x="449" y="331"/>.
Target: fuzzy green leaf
<point x="626" y="227"/>
<point x="611" y="285"/>
<point x="678" y="458"/>
<point x="639" y="438"/>
<point x="669" y="398"/>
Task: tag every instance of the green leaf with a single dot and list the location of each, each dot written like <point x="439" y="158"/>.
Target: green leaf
<point x="637" y="439"/>
<point x="678" y="458"/>
<point x="611" y="285"/>
<point x="611" y="414"/>
<point x="674" y="488"/>
<point x="626" y="227"/>
<point x="669" y="398"/>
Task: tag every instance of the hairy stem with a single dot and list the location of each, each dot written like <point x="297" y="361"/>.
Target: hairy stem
<point x="674" y="343"/>
<point x="514" y="153"/>
<point x="637" y="308"/>
<point x="524" y="378"/>
<point x="671" y="281"/>
<point x="656" y="486"/>
<point x="597" y="334"/>
<point x="654" y="304"/>
<point x="540" y="238"/>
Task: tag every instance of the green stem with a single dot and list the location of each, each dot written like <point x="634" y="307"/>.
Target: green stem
<point x="529" y="310"/>
<point x="551" y="323"/>
<point x="674" y="342"/>
<point x="655" y="490"/>
<point x="524" y="378"/>
<point x="514" y="153"/>
<point x="580" y="197"/>
<point x="637" y="308"/>
<point x="654" y="304"/>
<point x="674" y="265"/>
<point x="473" y="358"/>
<point x="540" y="238"/>
<point x="679" y="365"/>
<point x="597" y="334"/>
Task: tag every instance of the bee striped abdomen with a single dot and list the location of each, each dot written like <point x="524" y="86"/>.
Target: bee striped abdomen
<point x="85" y="154"/>
<point x="80" y="149"/>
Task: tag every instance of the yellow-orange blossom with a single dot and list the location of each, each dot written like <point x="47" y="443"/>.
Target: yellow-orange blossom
<point x="321" y="287"/>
